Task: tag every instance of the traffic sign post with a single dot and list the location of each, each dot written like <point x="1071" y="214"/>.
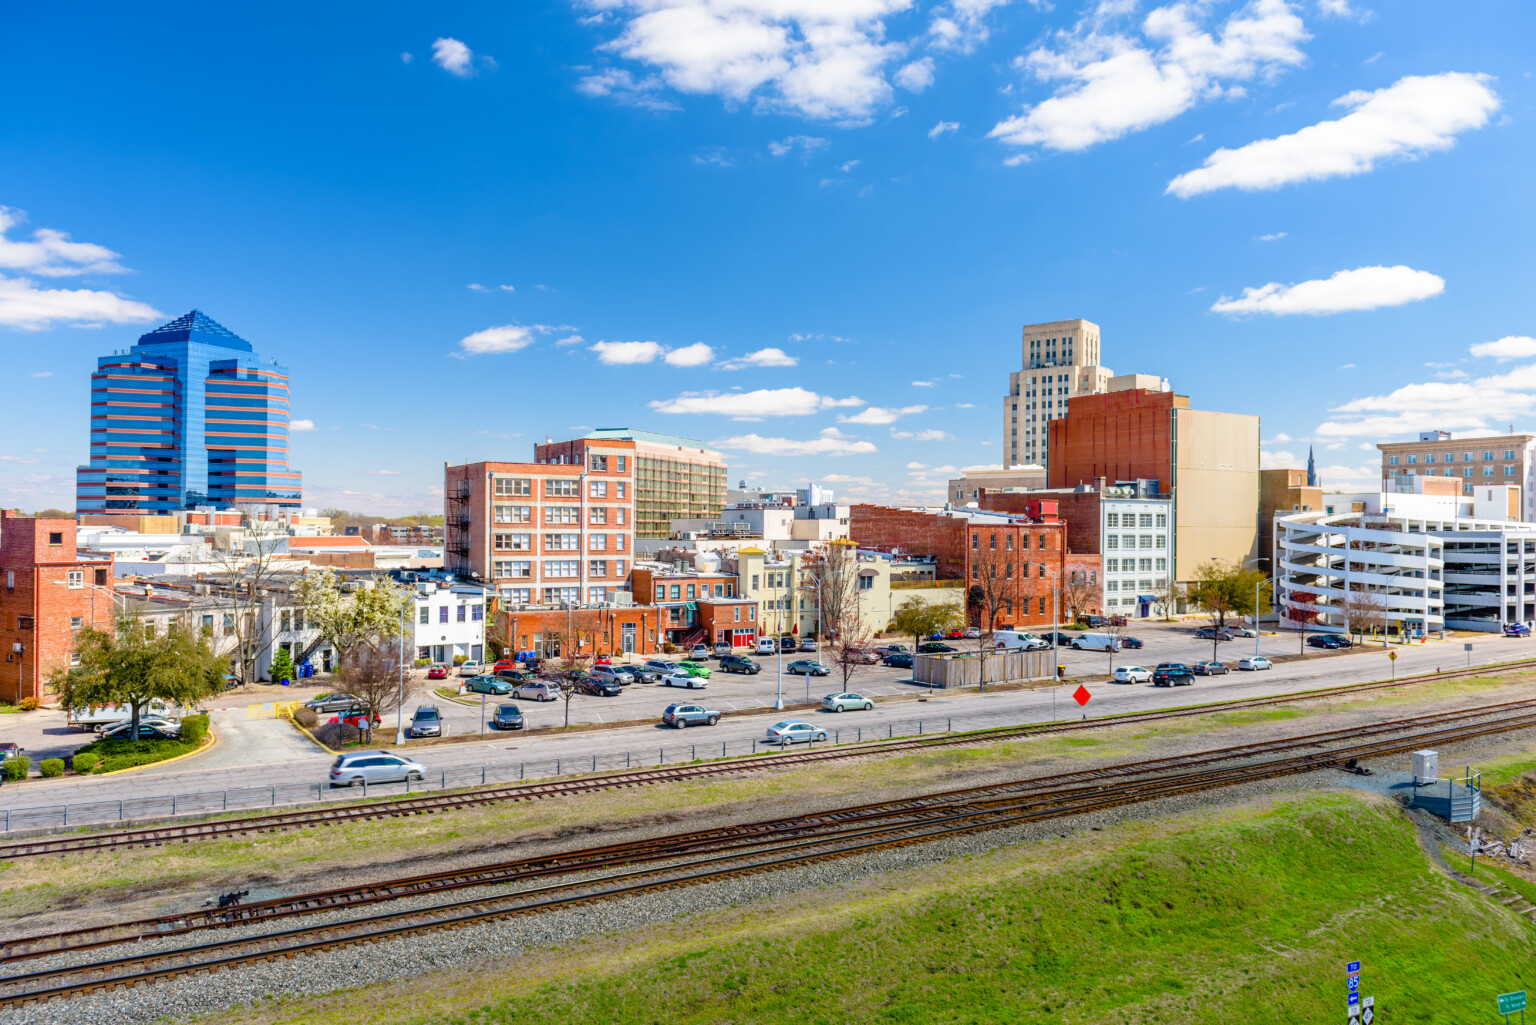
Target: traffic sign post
<point x="1509" y="1003"/>
<point x="1468" y="649"/>
<point x="1392" y="655"/>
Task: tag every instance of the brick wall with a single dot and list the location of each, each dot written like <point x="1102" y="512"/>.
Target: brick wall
<point x="1079" y="510"/>
<point x="1037" y="553"/>
<point x="521" y="626"/>
<point x="1122" y="435"/>
<point x="915" y="533"/>
<point x="719" y="619"/>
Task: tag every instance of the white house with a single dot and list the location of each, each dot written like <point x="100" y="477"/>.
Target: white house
<point x="449" y="621"/>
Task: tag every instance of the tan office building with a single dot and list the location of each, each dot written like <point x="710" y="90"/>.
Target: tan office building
<point x="1502" y="459"/>
<point x="1060" y="360"/>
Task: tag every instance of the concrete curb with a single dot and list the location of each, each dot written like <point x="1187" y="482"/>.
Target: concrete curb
<point x="207" y="745"/>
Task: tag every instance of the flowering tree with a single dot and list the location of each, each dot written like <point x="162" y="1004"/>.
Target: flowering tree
<point x="350" y="615"/>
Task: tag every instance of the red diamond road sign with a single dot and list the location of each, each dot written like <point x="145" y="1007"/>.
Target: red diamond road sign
<point x="1081" y="695"/>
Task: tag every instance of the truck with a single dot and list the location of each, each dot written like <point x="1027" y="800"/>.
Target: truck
<point x="92" y="716"/>
<point x="1096" y="642"/>
<point x="1019" y="641"/>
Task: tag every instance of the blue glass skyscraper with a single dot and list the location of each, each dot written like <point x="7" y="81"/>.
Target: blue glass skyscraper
<point x="189" y="416"/>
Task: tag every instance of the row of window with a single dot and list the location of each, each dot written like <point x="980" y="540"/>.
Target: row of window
<point x="1135" y="519"/>
<point x="557" y="487"/>
<point x="597" y="515"/>
<point x="1007" y="541"/>
<point x="1466" y="471"/>
<point x="600" y="463"/>
<point x="1144" y="585"/>
<point x="1118" y="542"/>
<point x="1449" y="457"/>
<point x="1135" y="565"/>
<point x="475" y="614"/>
<point x="522" y="569"/>
<point x="675" y="592"/>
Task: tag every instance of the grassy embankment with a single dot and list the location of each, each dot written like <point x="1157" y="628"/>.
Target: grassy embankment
<point x="1247" y="915"/>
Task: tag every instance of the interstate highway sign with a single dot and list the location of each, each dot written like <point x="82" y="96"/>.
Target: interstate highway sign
<point x="1509" y="1003"/>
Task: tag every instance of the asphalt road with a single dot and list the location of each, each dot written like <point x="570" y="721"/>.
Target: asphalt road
<point x="267" y="752"/>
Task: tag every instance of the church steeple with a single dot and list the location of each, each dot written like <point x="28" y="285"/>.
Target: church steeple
<point x="1311" y="469"/>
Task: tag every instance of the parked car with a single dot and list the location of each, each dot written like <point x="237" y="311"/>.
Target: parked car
<point x="788" y="645"/>
<point x="614" y="674"/>
<point x="470" y="668"/>
<point x="603" y="660"/>
<point x="720" y="650"/>
<point x="791" y="731"/>
<point x="1516" y="630"/>
<point x="1255" y="662"/>
<point x="642" y="674"/>
<point x="661" y="666"/>
<point x="898" y="660"/>
<point x="954" y="635"/>
<point x="971" y="633"/>
<point x="357" y="718"/>
<point x="1211" y="633"/>
<point x="438" y="671"/>
<point x="1209" y="669"/>
<point x="808" y="645"/>
<point x="892" y="649"/>
<point x="360" y="767"/>
<point x="598" y="687"/>
<point x="698" y="669"/>
<point x="1092" y="622"/>
<point x="506" y="663"/>
<point x="1060" y="639"/>
<point x="699" y="651"/>
<point x="1118" y="621"/>
<point x="934" y="648"/>
<point x="682" y="679"/>
<point x="332" y="702"/>
<point x="767" y="646"/>
<point x="426" y="722"/>
<point x="1131" y="674"/>
<point x="862" y="656"/>
<point x="846" y="700"/>
<point x="1323" y="641"/>
<point x="1242" y="631"/>
<point x="680" y="716"/>
<point x="1129" y="642"/>
<point x="1093" y="641"/>
<point x="10" y="749"/>
<point x="489" y="685"/>
<point x="536" y="690"/>
<point x="507" y="717"/>
<point x="739" y="664"/>
<point x="1172" y="674"/>
<point x="161" y="730"/>
<point x="513" y="676"/>
<point x="157" y="720"/>
<point x="807" y="667"/>
<point x="1018" y="640"/>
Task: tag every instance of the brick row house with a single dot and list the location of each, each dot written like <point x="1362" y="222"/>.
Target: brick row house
<point x="50" y="594"/>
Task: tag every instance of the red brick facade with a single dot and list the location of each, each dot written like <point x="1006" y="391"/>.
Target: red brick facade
<point x="1079" y="510"/>
<point x="917" y="533"/>
<point x="729" y="622"/>
<point x="46" y="597"/>
<point x="530" y="629"/>
<point x="1122" y="435"/>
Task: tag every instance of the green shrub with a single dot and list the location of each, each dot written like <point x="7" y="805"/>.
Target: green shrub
<point x="459" y="660"/>
<point x="282" y="666"/>
<point x="86" y="761"/>
<point x="52" y="767"/>
<point x="322" y="695"/>
<point x="193" y="729"/>
<point x="422" y="663"/>
<point x="306" y="717"/>
<point x="15" y="768"/>
<point x="27" y="704"/>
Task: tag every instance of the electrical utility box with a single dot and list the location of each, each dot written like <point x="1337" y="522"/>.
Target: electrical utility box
<point x="1426" y="767"/>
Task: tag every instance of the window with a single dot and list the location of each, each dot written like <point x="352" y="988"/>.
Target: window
<point x="562" y="514"/>
<point x="1450" y="457"/>
<point x="1487" y="456"/>
<point x="868" y="583"/>
<point x="600" y="464"/>
<point x="207" y="623"/>
<point x="1146" y="565"/>
<point x="751" y="613"/>
<point x="1509" y="471"/>
<point x="10" y="580"/>
<point x="477" y="613"/>
<point x="1111" y="519"/>
<point x="597" y="489"/>
<point x="286" y="621"/>
<point x="557" y="595"/>
<point x="1111" y="585"/>
<point x="661" y="592"/>
<point x="755" y="585"/>
<point x="1466" y="457"/>
<point x="1162" y="520"/>
<point x="74" y="658"/>
<point x="1509" y="453"/>
<point x="515" y="568"/>
<point x="519" y="595"/>
<point x="719" y="590"/>
<point x="1111" y="542"/>
<point x="975" y="542"/>
<point x="691" y="590"/>
<point x="1009" y="542"/>
<point x="618" y="542"/>
<point x="1042" y="606"/>
<point x="514" y="514"/>
<point x="597" y="542"/>
<point x="505" y="543"/>
<point x="513" y="486"/>
<point x="76" y="578"/>
<point x="1146" y="519"/>
<point x="1466" y="471"/>
<point x="677" y="592"/>
<point x="55" y="537"/>
<point x="618" y="567"/>
<point x="1391" y="460"/>
<point x="426" y="615"/>
<point x="1112" y="566"/>
<point x="1007" y="574"/>
<point x="562" y="568"/>
<point x="563" y="487"/>
<point x="597" y="515"/>
<point x="618" y="489"/>
<point x="619" y="460"/>
<point x="562" y="542"/>
<point x="597" y="594"/>
<point x="597" y="568"/>
<point x="993" y="544"/>
<point x="738" y="614"/>
<point x="1487" y="471"/>
<point x="76" y="622"/>
<point x="463" y="613"/>
<point x="1146" y="541"/>
<point x="442" y="613"/>
<point x="1162" y="541"/>
<point x="1413" y="460"/>
<point x="1429" y="458"/>
<point x="619" y="519"/>
<point x="1162" y="565"/>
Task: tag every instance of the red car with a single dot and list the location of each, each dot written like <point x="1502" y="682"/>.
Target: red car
<point x="438" y="672"/>
<point x="602" y="660"/>
<point x="357" y="719"/>
<point x="954" y="635"/>
<point x="504" y="663"/>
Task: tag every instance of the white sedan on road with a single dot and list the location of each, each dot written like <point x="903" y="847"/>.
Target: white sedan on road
<point x="791" y="731"/>
<point x="1132" y="674"/>
<point x="683" y="680"/>
<point x="1255" y="662"/>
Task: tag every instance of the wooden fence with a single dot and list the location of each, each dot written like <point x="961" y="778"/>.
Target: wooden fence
<point x="965" y="669"/>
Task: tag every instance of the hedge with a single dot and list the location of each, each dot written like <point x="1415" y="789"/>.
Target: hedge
<point x="306" y="717"/>
<point x="52" y="767"/>
<point x="194" y="728"/>
<point x="16" y="768"/>
<point x="27" y="704"/>
<point x="85" y="761"/>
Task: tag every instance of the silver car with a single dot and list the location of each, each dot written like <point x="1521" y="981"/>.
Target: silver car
<point x="363" y="767"/>
<point x="537" y="690"/>
<point x="615" y="674"/>
<point x="846" y="700"/>
<point x="427" y="722"/>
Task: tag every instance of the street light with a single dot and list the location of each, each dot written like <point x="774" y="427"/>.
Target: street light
<point x="400" y="701"/>
<point x="1257" y="585"/>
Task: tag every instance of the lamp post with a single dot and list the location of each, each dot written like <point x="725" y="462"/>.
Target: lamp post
<point x="400" y="701"/>
<point x="778" y="646"/>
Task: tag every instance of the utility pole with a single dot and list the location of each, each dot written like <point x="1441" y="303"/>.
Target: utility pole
<point x="400" y="701"/>
<point x="778" y="646"/>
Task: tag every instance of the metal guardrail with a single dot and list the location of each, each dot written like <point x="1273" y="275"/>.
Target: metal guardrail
<point x="289" y="794"/>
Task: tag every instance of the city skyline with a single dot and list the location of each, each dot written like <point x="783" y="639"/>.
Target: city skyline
<point x="461" y="234"/>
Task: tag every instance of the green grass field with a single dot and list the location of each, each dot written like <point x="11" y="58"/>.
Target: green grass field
<point x="1248" y="915"/>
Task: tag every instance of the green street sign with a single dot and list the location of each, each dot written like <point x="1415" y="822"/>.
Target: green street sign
<point x="1509" y="1003"/>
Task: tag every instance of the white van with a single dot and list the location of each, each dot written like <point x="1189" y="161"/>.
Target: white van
<point x="1096" y="642"/>
<point x="90" y="718"/>
<point x="1015" y="640"/>
<point x="767" y="646"/>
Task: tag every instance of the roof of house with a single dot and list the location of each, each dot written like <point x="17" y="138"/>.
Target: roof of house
<point x="347" y="541"/>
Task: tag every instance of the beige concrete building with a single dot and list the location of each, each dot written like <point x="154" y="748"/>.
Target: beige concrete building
<point x="1060" y="360"/>
<point x="1505" y="459"/>
<point x="968" y="487"/>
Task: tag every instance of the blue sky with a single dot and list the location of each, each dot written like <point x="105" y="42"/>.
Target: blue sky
<point x="808" y="231"/>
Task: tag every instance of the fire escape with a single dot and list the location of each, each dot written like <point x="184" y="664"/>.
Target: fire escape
<point x="456" y="529"/>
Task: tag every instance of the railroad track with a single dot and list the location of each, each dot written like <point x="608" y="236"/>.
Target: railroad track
<point x="689" y="859"/>
<point x="719" y="838"/>
<point x="451" y="800"/>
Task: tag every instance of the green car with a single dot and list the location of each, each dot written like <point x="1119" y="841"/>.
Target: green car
<point x="488" y="685"/>
<point x="696" y="669"/>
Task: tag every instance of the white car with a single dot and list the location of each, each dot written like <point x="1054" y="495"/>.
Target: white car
<point x="683" y="680"/>
<point x="1132" y="674"/>
<point x="1255" y="662"/>
<point x="792" y="731"/>
<point x="469" y="669"/>
<point x="1241" y="631"/>
<point x="699" y="652"/>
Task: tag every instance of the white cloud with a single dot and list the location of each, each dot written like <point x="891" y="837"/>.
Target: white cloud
<point x="770" y="357"/>
<point x="753" y="405"/>
<point x="879" y="415"/>
<point x="961" y="25"/>
<point x="507" y="338"/>
<point x="917" y="76"/>
<point x="1415" y="116"/>
<point x="928" y="435"/>
<point x="626" y="353"/>
<point x="1347" y="366"/>
<point x="384" y="473"/>
<point x="942" y="127"/>
<point x="1343" y="9"/>
<point x="1109" y="84"/>
<point x="41" y="373"/>
<point x="1365" y="288"/>
<point x="806" y="144"/>
<point x="406" y="57"/>
<point x="570" y="340"/>
<point x="621" y="86"/>
<point x="50" y="253"/>
<point x="829" y="443"/>
<point x="848" y="166"/>
<point x="816" y="58"/>
<point x="713" y="156"/>
<point x="28" y="308"/>
<point x="301" y="425"/>
<point x="965" y="405"/>
<point x="917" y="466"/>
<point x="923" y="384"/>
<point x="1507" y="348"/>
<point x="1272" y="237"/>
<point x="453" y="56"/>
<point x="694" y="355"/>
<point x="1466" y="406"/>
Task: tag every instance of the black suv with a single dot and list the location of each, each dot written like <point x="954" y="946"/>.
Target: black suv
<point x="739" y="664"/>
<point x="1172" y="674"/>
<point x="507" y="717"/>
<point x="598" y="687"/>
<point x="934" y="648"/>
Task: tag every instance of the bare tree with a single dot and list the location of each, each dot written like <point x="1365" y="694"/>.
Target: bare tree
<point x="1298" y="612"/>
<point x="1167" y="594"/>
<point x="576" y="639"/>
<point x="1078" y="595"/>
<point x="1115" y="627"/>
<point x="244" y="557"/>
<point x="829" y="576"/>
<point x="993" y="587"/>
<point x="1364" y="611"/>
<point x="350" y="615"/>
<point x="373" y="676"/>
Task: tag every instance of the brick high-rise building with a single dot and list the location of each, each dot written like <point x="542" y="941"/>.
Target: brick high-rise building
<point x="1208" y="462"/>
<point x="675" y="478"/>
<point x="48" y="595"/>
<point x="544" y="532"/>
<point x="189" y="416"/>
